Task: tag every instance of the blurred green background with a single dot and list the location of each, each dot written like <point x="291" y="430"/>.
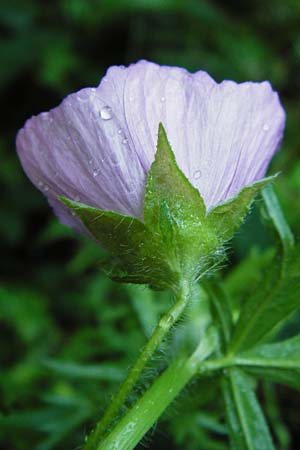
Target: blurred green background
<point x="67" y="332"/>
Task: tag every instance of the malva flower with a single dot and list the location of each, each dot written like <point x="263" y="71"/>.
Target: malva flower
<point x="97" y="146"/>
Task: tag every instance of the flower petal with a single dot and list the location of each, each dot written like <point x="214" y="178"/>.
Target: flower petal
<point x="80" y="150"/>
<point x="98" y="145"/>
<point x="223" y="135"/>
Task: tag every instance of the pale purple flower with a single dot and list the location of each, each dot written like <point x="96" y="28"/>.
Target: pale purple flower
<point x="97" y="146"/>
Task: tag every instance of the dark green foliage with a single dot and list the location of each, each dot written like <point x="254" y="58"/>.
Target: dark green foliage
<point x="68" y="333"/>
<point x="279" y="361"/>
<point x="247" y="426"/>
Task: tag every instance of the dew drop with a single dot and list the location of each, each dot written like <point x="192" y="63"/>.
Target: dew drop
<point x="40" y="184"/>
<point x="163" y="99"/>
<point x="131" y="98"/>
<point x="90" y="161"/>
<point x="106" y="113"/>
<point x="73" y="213"/>
<point x="266" y="127"/>
<point x="125" y="141"/>
<point x="119" y="131"/>
<point x="93" y="89"/>
<point x="95" y="172"/>
<point x="197" y="174"/>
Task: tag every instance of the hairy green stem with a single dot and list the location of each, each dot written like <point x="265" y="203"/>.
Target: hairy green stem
<point x="146" y="411"/>
<point x="162" y="329"/>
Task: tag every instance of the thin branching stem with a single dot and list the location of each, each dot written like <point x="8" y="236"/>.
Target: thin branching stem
<point x="162" y="329"/>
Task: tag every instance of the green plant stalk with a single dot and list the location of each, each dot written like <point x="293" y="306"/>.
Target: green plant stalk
<point x="162" y="329"/>
<point x="146" y="411"/>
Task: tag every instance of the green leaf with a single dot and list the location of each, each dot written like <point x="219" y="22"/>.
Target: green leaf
<point x="227" y="217"/>
<point x="277" y="295"/>
<point x="61" y="418"/>
<point x="282" y="376"/>
<point x="279" y="361"/>
<point x="247" y="273"/>
<point x="277" y="218"/>
<point x="175" y="210"/>
<point x="137" y="255"/>
<point x="273" y="301"/>
<point x="248" y="429"/>
<point x="70" y="369"/>
<point x="221" y="308"/>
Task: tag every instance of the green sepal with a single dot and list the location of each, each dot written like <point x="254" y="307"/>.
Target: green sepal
<point x="226" y="218"/>
<point x="136" y="255"/>
<point x="175" y="210"/>
<point x="166" y="182"/>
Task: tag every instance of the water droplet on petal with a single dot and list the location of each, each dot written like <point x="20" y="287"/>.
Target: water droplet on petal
<point x="131" y="98"/>
<point x="197" y="174"/>
<point x="90" y="161"/>
<point x="125" y="141"/>
<point x="106" y="113"/>
<point x="163" y="99"/>
<point x="93" y="89"/>
<point x="119" y="131"/>
<point x="40" y="184"/>
<point x="266" y="127"/>
<point x="73" y="213"/>
<point x="95" y="172"/>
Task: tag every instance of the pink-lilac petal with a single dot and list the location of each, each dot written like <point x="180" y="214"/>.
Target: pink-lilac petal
<point x="223" y="135"/>
<point x="97" y="146"/>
